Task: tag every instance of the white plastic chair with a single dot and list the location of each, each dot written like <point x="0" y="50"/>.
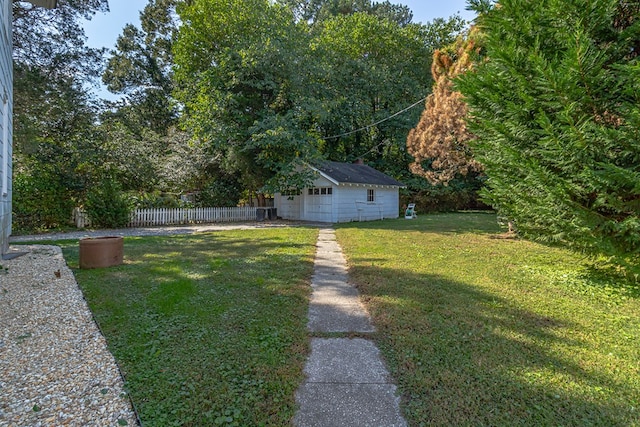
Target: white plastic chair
<point x="410" y="213"/>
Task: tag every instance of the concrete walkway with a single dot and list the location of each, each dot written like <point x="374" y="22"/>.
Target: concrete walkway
<point x="347" y="383"/>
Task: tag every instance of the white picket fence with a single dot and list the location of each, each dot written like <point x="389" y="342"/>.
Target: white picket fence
<point x="177" y="216"/>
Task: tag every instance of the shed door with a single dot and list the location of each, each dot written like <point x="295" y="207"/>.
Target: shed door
<point x="318" y="204"/>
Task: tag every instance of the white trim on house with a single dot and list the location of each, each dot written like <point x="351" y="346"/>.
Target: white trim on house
<point x="324" y="175"/>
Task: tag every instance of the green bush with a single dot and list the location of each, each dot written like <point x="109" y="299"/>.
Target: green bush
<point x="157" y="199"/>
<point x="107" y="205"/>
<point x="219" y="193"/>
<point x="40" y="202"/>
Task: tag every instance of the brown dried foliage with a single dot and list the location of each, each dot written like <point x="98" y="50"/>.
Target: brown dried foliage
<point x="441" y="134"/>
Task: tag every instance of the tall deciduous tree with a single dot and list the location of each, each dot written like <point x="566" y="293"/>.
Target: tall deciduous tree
<point x="269" y="91"/>
<point x="556" y="111"/>
<point x="240" y="67"/>
<point x="439" y="142"/>
<point x="51" y="65"/>
<point x="146" y="147"/>
<point x="140" y="68"/>
<point x="315" y="11"/>
<point x="53" y="115"/>
<point x="372" y="68"/>
<point x="370" y="61"/>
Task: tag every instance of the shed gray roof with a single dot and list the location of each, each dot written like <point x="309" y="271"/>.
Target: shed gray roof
<point x="353" y="173"/>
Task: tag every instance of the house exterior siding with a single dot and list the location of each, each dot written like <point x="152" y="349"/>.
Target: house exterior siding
<point x="6" y="120"/>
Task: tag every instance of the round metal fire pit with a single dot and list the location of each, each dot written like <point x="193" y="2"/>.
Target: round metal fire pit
<point x="99" y="252"/>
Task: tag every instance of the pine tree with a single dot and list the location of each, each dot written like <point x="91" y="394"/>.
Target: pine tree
<point x="556" y="112"/>
<point x="441" y="136"/>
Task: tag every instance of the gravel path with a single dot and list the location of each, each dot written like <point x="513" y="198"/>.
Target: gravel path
<point x="55" y="368"/>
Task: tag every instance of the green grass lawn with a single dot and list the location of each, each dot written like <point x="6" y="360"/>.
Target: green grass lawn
<point x="208" y="329"/>
<point x="479" y="330"/>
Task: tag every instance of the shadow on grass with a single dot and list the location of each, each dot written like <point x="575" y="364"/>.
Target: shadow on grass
<point x="210" y="328"/>
<point x="597" y="276"/>
<point x="462" y="356"/>
<point x="607" y="276"/>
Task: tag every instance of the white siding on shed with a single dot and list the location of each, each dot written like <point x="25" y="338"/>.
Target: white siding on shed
<point x="331" y="200"/>
<point x="6" y="132"/>
<point x="352" y="204"/>
<point x="288" y="207"/>
<point x="317" y="206"/>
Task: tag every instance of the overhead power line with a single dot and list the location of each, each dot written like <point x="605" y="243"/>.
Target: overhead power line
<point x="376" y="123"/>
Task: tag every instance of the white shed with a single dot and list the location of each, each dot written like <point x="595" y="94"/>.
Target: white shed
<point x="342" y="192"/>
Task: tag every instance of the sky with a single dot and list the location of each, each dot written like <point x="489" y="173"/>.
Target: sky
<point x="103" y="29"/>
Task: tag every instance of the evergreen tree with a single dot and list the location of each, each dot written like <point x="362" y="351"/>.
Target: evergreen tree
<point x="556" y="112"/>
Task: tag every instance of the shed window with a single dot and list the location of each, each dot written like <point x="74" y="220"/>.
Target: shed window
<point x="371" y="196"/>
<point x="320" y="191"/>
